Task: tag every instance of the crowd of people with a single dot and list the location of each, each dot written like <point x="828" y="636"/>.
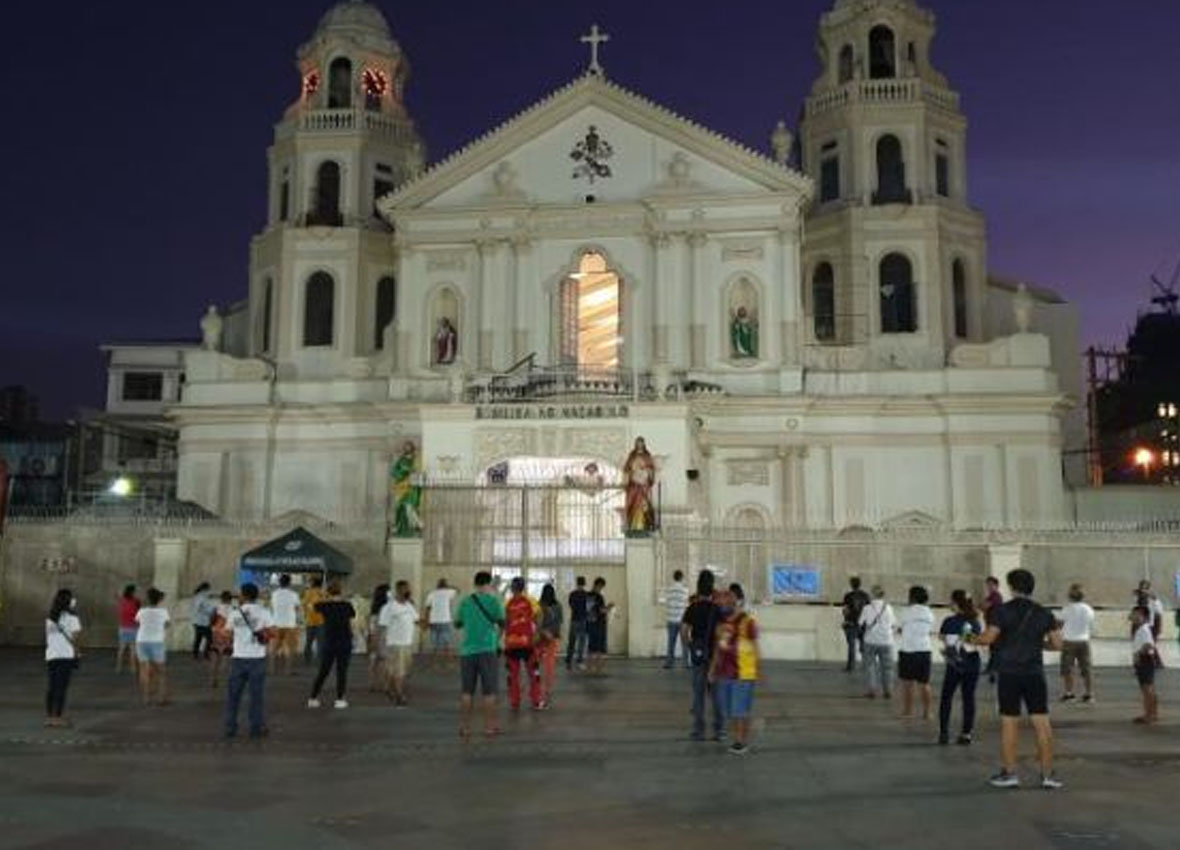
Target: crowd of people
<point x="243" y="640"/>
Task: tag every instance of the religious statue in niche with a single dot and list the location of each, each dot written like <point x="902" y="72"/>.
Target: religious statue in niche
<point x="743" y="334"/>
<point x="639" y="479"/>
<point x="446" y="342"/>
<point x="405" y="493"/>
<point x="591" y="155"/>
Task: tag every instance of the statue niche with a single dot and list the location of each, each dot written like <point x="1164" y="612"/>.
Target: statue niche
<point x="444" y="316"/>
<point x="743" y="320"/>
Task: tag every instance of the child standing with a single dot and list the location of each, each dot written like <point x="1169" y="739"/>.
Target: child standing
<point x="914" y="655"/>
<point x="1145" y="658"/>
<point x="734" y="670"/>
<point x="150" y="650"/>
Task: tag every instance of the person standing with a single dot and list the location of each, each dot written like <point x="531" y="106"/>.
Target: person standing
<point x="962" y="666"/>
<point x="336" y="649"/>
<point x="992" y="598"/>
<point x="854" y="602"/>
<point x="549" y="643"/>
<point x="223" y="637"/>
<point x="576" y="643"/>
<point x="597" y="618"/>
<point x="313" y="621"/>
<point x="675" y="604"/>
<point x="699" y="633"/>
<point x="201" y="613"/>
<point x="521" y="633"/>
<point x="253" y="626"/>
<point x="376" y="639"/>
<point x="876" y="623"/>
<point x="151" y="648"/>
<point x="284" y="607"/>
<point x="481" y="618"/>
<point x="62" y="628"/>
<point x="1146" y="598"/>
<point x="440" y="617"/>
<point x="398" y="619"/>
<point x="734" y="667"/>
<point x="914" y="653"/>
<point x="128" y="608"/>
<point x="1021" y="630"/>
<point x="1145" y="659"/>
<point x="1077" y="620"/>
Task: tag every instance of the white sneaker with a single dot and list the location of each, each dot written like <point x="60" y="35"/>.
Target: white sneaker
<point x="340" y="703"/>
<point x="313" y="703"/>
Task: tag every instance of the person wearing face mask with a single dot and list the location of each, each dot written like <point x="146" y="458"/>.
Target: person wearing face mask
<point x="734" y="669"/>
<point x="62" y="627"/>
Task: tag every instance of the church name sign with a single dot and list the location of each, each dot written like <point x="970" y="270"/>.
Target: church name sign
<point x="552" y="411"/>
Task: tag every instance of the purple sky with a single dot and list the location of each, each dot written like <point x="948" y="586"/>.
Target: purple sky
<point x="135" y="136"/>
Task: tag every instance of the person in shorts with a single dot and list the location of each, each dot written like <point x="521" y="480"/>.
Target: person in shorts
<point x="1145" y="660"/>
<point x="150" y="649"/>
<point x="916" y="624"/>
<point x="222" y="646"/>
<point x="1020" y="631"/>
<point x="481" y="619"/>
<point x="1077" y="620"/>
<point x="734" y="668"/>
<point x="128" y="628"/>
<point x="398" y="618"/>
<point x="284" y="608"/>
<point x="439" y="617"/>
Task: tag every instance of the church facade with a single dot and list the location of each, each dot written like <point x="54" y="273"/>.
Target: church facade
<point x="805" y="337"/>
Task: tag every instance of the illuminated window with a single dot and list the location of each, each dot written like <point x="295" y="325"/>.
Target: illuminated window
<point x="590" y="315"/>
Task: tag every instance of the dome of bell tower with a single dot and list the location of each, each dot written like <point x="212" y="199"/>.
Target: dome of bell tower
<point x="353" y="16"/>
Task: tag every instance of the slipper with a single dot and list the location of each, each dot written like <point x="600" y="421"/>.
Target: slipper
<point x="492" y="733"/>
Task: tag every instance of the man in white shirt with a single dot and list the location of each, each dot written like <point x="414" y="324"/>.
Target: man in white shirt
<point x="439" y="604"/>
<point x="253" y="629"/>
<point x="399" y="616"/>
<point x="675" y="604"/>
<point x="914" y="653"/>
<point x="877" y="623"/>
<point x="1155" y="608"/>
<point x="284" y="607"/>
<point x="1077" y="620"/>
<point x="1145" y="658"/>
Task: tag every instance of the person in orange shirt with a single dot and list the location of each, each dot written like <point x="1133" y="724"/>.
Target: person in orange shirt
<point x="313" y="620"/>
<point x="734" y="670"/>
<point x="521" y="634"/>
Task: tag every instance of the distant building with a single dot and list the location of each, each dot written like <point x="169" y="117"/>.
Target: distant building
<point x="18" y="406"/>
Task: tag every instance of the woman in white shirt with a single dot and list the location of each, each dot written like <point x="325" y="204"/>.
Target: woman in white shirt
<point x="1077" y="619"/>
<point x="153" y="622"/>
<point x="1145" y="658"/>
<point x="62" y="628"/>
<point x="914" y="654"/>
<point x="876" y="626"/>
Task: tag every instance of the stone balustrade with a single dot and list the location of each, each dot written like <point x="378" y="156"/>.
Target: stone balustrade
<point x="912" y="90"/>
<point x="345" y="120"/>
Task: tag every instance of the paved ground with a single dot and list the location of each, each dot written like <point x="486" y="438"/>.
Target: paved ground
<point x="609" y="767"/>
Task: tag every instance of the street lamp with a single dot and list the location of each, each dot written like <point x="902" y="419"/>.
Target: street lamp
<point x="1145" y="459"/>
<point x="121" y="486"/>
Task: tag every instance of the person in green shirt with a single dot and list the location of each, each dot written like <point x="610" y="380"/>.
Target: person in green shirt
<point x="481" y="618"/>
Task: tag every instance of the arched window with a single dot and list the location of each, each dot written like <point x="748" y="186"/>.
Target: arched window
<point x="264" y="320"/>
<point x="327" y="196"/>
<point x="340" y="84"/>
<point x="318" y="309"/>
<point x="898" y="314"/>
<point x="959" y="297"/>
<point x="847" y="63"/>
<point x="590" y="315"/>
<point x="829" y="173"/>
<point x="882" y="53"/>
<point x="891" y="188"/>
<point x="942" y="168"/>
<point x="386" y="309"/>
<point x="823" y="302"/>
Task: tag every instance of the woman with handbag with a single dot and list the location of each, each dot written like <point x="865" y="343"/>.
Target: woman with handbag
<point x="62" y="628"/>
<point x="962" y="666"/>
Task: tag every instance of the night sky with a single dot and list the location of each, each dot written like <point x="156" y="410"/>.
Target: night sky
<point x="135" y="133"/>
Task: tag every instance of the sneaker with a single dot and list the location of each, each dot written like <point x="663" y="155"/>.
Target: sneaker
<point x="1088" y="699"/>
<point x="340" y="703"/>
<point x="964" y="740"/>
<point x="1051" y="783"/>
<point x="1004" y="779"/>
<point x="737" y="748"/>
<point x="313" y="703"/>
<point x="943" y="739"/>
<point x="1067" y="697"/>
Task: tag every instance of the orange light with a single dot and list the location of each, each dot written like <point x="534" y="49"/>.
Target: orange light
<point x="1145" y="459"/>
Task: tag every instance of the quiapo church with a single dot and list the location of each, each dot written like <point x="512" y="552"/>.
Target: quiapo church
<point x="603" y="326"/>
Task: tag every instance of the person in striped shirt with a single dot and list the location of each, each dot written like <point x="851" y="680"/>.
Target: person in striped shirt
<point x="675" y="603"/>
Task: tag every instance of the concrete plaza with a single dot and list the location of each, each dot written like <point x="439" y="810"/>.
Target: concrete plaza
<point x="609" y="766"/>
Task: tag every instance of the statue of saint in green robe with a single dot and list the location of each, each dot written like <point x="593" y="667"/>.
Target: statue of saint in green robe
<point x="743" y="334"/>
<point x="406" y="494"/>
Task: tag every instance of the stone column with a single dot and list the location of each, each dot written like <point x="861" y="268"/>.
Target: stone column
<point x="698" y="310"/>
<point x="171" y="555"/>
<point x="524" y="286"/>
<point x="789" y="308"/>
<point x="799" y="485"/>
<point x="402" y="343"/>
<point x="484" y="318"/>
<point x="786" y="486"/>
<point x="660" y="286"/>
<point x="642" y="618"/>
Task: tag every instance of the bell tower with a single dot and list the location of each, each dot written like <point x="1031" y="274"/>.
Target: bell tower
<point x="322" y="284"/>
<point x="894" y="258"/>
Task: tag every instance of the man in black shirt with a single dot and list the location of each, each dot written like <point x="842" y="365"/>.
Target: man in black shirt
<point x="697" y="631"/>
<point x="854" y="601"/>
<point x="577" y="636"/>
<point x="1020" y="631"/>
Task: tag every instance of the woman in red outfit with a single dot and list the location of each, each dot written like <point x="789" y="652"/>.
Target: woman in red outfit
<point x="128" y="608"/>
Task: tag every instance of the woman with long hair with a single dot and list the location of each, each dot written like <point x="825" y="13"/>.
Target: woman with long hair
<point x="376" y="638"/>
<point x="962" y="665"/>
<point x="549" y="642"/>
<point x="62" y="628"/>
<point x="128" y="608"/>
<point x="151" y="648"/>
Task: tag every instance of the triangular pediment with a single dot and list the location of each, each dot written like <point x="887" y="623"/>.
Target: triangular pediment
<point x="644" y="151"/>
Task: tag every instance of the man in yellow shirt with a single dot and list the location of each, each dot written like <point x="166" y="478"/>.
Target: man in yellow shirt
<point x="734" y="669"/>
<point x="313" y="620"/>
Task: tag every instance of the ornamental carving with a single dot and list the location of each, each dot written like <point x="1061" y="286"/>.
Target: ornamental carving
<point x="496" y="444"/>
<point x="737" y="250"/>
<point x="747" y="471"/>
<point x="591" y="154"/>
<point x="607" y="443"/>
<point x="446" y="261"/>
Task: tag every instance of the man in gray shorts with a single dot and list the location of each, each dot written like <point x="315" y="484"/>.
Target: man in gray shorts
<point x="481" y="618"/>
<point x="1077" y="621"/>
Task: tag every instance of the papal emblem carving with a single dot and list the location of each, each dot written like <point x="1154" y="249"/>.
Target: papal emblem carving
<point x="591" y="154"/>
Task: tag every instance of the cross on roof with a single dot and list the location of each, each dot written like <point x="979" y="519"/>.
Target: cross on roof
<point x="594" y="39"/>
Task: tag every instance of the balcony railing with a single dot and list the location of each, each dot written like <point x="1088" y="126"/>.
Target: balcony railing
<point x="390" y="127"/>
<point x="870" y="92"/>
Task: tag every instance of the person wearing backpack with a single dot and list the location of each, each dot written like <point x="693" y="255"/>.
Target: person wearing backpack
<point x="521" y="633"/>
<point x="698" y="633"/>
<point x="481" y="618"/>
<point x="877" y="622"/>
